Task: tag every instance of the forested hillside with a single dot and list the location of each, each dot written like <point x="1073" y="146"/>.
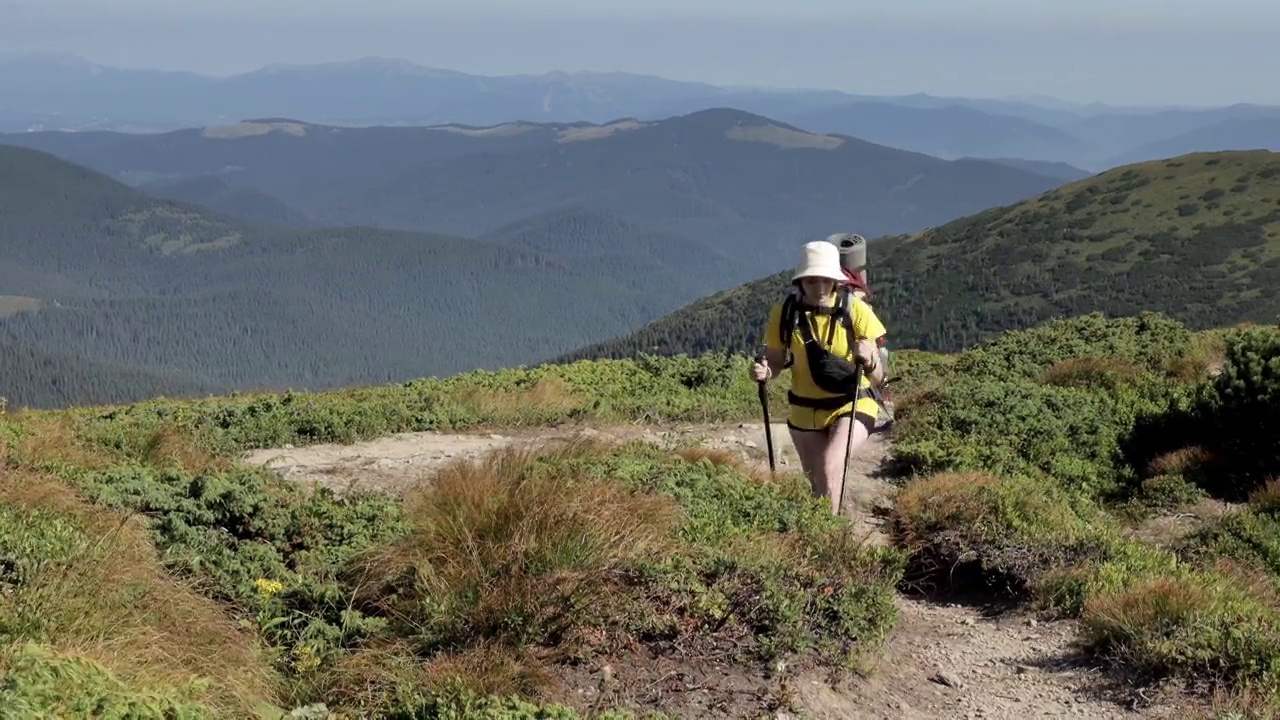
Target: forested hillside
<point x="140" y="289"/>
<point x="1196" y="237"/>
<point x="49" y="379"/>
<point x="745" y="184"/>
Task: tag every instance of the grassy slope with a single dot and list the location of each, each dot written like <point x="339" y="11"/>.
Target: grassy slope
<point x="1084" y="429"/>
<point x="1197" y="237"/>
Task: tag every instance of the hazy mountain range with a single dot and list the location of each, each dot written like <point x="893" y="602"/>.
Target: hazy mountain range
<point x="748" y="186"/>
<point x="47" y="91"/>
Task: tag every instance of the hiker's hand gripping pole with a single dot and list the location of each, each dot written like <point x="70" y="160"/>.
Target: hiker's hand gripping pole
<point x="764" y="407"/>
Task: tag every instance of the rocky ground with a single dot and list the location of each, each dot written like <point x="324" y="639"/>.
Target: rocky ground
<point x="945" y="659"/>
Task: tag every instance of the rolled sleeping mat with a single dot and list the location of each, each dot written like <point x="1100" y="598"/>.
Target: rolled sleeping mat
<point x="853" y="250"/>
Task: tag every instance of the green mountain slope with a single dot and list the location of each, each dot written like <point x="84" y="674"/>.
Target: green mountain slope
<point x="1196" y="237"/>
<point x="1063" y="171"/>
<point x="162" y="288"/>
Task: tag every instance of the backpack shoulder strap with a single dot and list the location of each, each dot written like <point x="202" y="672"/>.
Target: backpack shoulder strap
<point x="787" y="323"/>
<point x="845" y="311"/>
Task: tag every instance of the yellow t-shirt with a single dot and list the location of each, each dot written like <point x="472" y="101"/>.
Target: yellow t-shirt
<point x="865" y="325"/>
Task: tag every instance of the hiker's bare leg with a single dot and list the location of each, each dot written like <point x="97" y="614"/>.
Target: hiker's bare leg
<point x="836" y="457"/>
<point x="833" y="460"/>
<point x="810" y="446"/>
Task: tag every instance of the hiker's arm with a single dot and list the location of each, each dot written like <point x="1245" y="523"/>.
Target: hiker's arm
<point x="774" y="354"/>
<point x="869" y="355"/>
<point x="869" y="329"/>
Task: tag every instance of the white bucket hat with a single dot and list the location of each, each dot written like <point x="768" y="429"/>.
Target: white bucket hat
<point x="821" y="259"/>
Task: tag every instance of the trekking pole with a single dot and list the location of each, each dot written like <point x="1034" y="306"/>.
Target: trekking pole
<point x="848" y="447"/>
<point x="764" y="407"/>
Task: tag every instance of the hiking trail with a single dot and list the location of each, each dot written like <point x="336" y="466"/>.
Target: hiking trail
<point x="944" y="659"/>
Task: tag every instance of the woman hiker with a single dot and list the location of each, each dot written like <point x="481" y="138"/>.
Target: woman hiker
<point x="820" y="419"/>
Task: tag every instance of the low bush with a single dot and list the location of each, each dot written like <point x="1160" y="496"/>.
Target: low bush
<point x="1149" y="341"/>
<point x="1216" y="629"/>
<point x="1070" y="435"/>
<point x="968" y="525"/>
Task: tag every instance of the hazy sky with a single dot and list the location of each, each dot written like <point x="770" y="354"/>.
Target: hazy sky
<point x="1120" y="51"/>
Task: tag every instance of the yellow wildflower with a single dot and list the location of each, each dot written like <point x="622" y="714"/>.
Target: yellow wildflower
<point x="267" y="588"/>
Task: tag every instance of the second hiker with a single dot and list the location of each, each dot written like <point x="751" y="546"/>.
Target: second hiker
<point x="824" y="316"/>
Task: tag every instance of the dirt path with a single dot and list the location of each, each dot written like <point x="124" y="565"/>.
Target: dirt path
<point x="943" y="660"/>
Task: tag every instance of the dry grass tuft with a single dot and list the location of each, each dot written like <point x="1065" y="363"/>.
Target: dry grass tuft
<point x="728" y="459"/>
<point x="169" y="447"/>
<point x="1183" y="461"/>
<point x="1266" y="499"/>
<point x="50" y="440"/>
<point x="513" y="548"/>
<point x="1216" y="627"/>
<point x="372" y="679"/>
<point x="950" y="499"/>
<point x="1090" y="372"/>
<point x="548" y="398"/>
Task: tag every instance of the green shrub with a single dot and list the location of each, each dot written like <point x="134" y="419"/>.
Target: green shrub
<point x="1148" y="341"/>
<point x="1167" y="492"/>
<point x="1249" y="535"/>
<point x="1240" y="411"/>
<point x="1069" y="435"/>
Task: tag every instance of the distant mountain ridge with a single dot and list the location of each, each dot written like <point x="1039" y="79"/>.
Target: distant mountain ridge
<point x="45" y="92"/>
<point x="744" y="185"/>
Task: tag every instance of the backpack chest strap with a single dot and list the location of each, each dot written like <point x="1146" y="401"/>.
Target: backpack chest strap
<point x="801" y="315"/>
